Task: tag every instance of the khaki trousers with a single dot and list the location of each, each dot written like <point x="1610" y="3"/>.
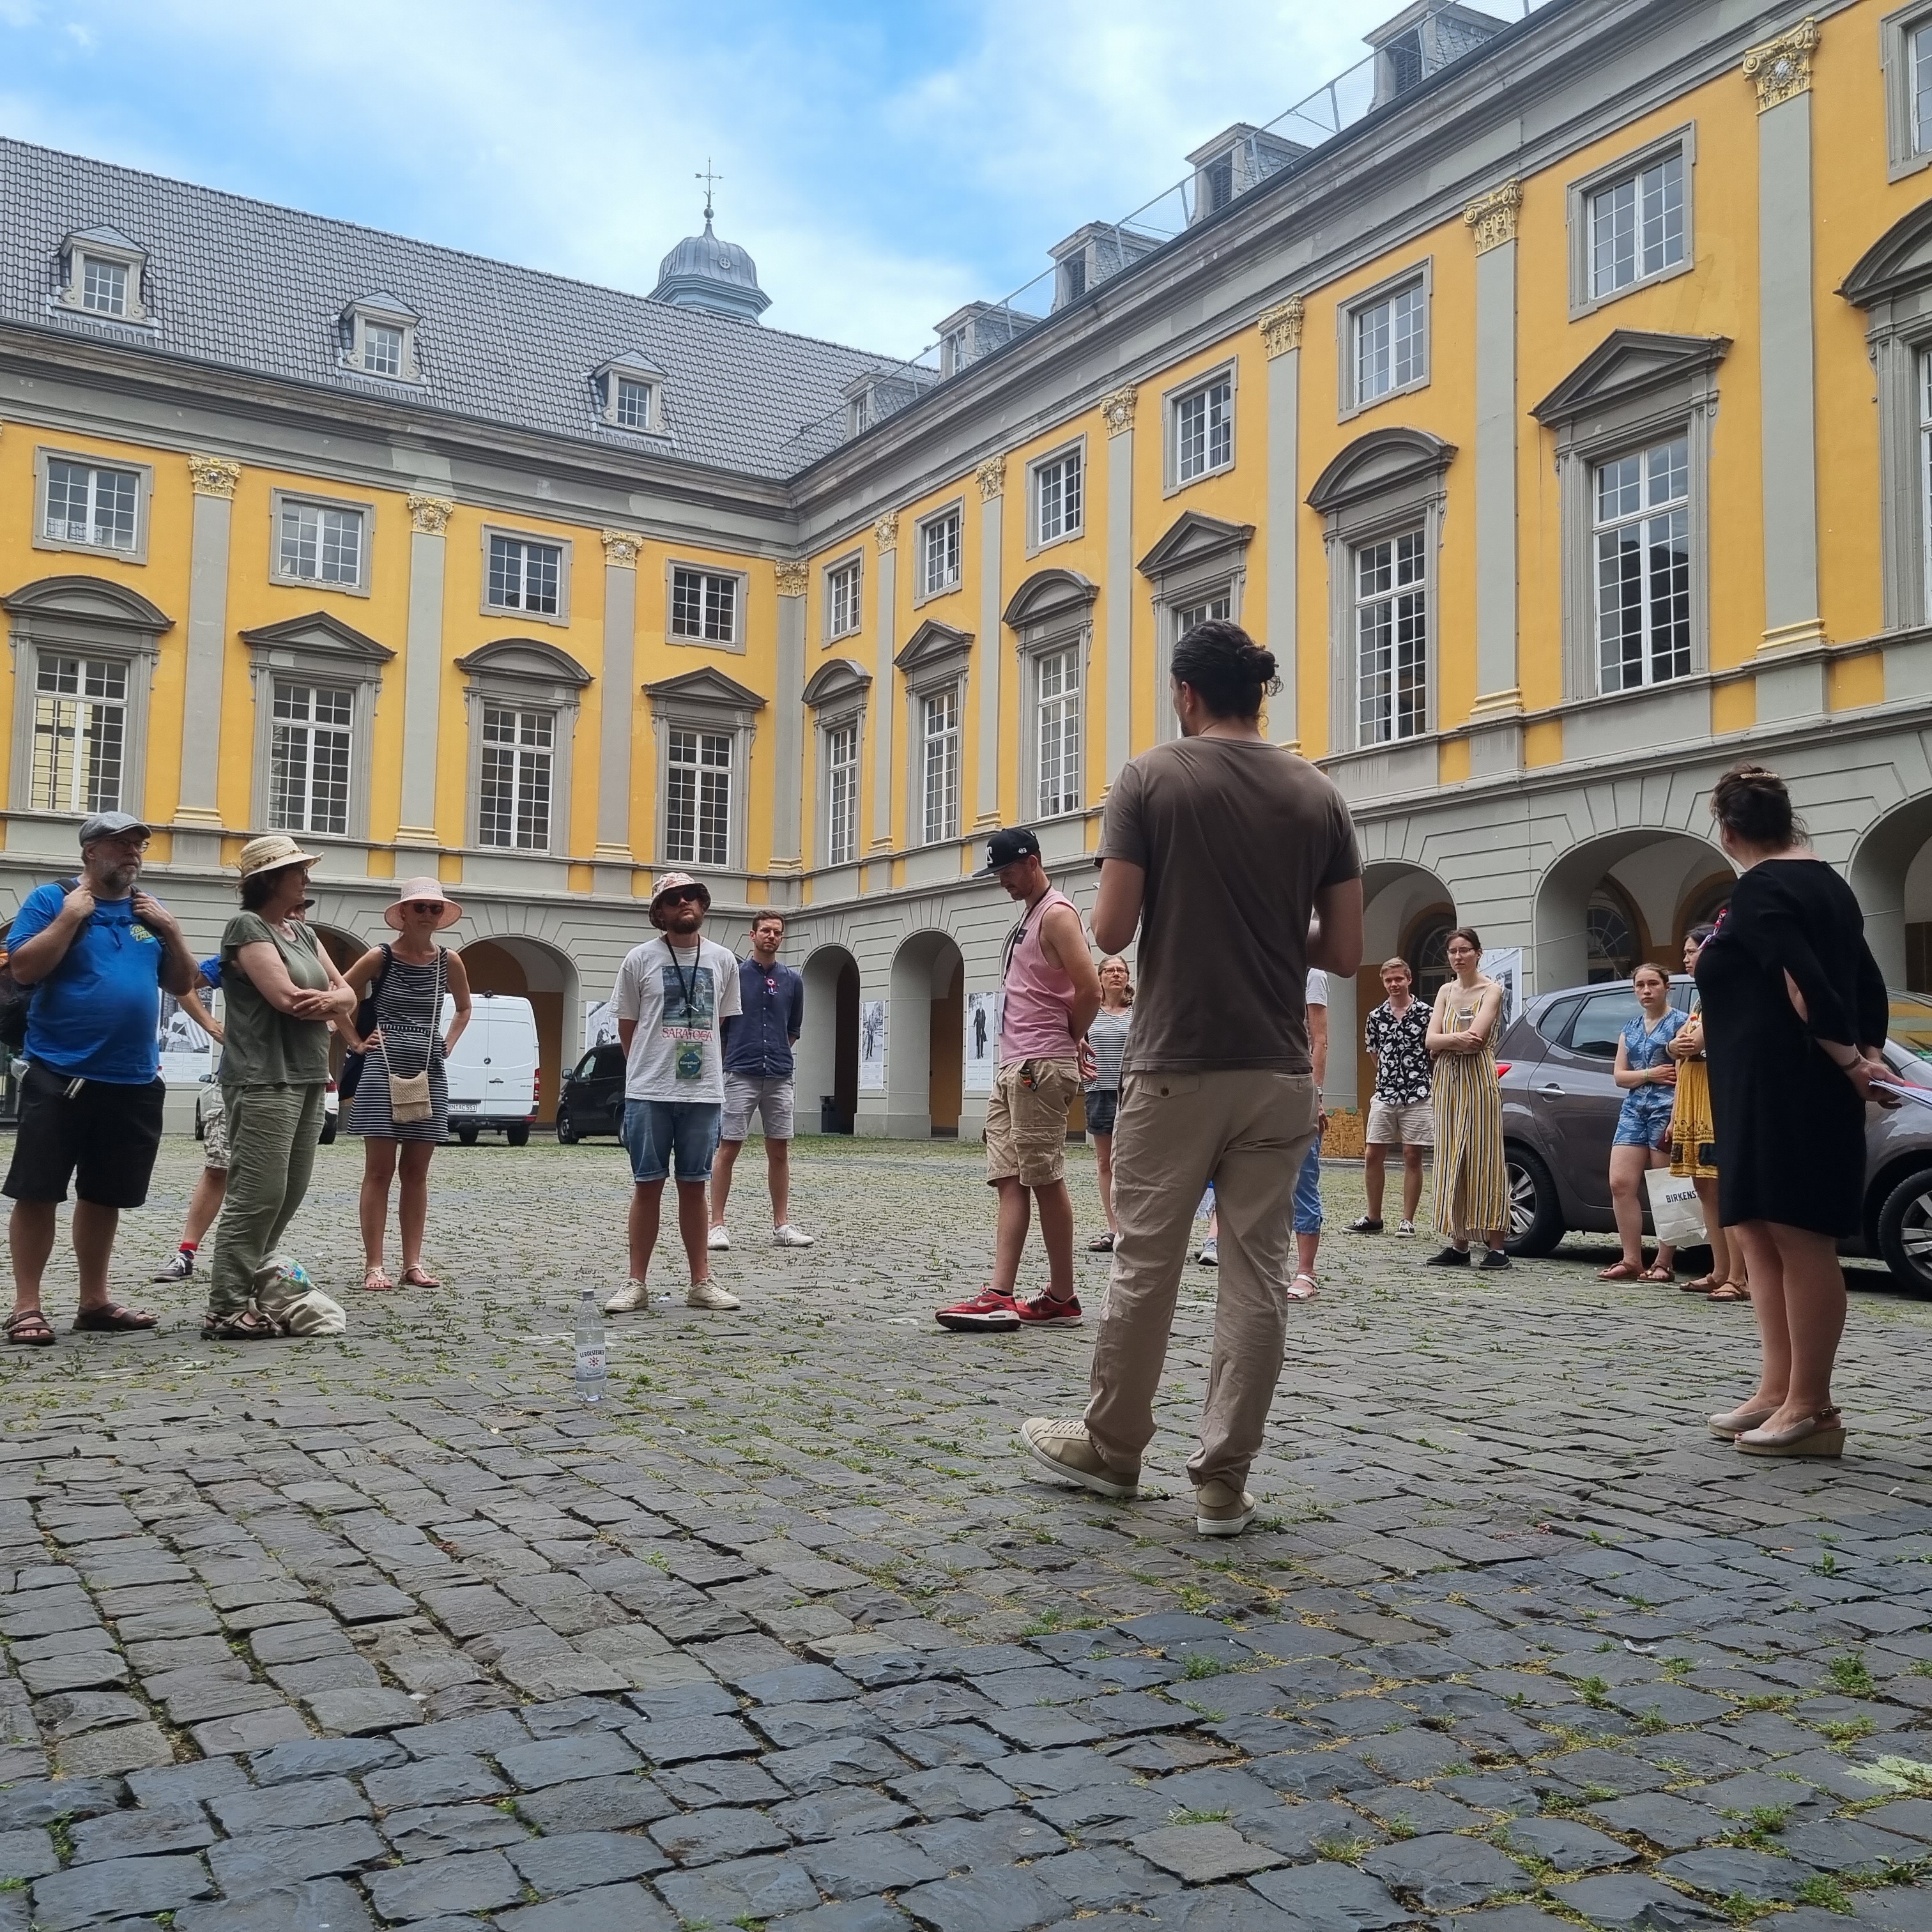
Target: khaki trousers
<point x="1247" y="1131"/>
<point x="272" y="1132"/>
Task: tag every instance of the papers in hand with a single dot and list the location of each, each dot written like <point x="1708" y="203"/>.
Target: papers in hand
<point x="1922" y="1095"/>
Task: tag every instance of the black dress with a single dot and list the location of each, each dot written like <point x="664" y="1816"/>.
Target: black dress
<point x="1790" y="1127"/>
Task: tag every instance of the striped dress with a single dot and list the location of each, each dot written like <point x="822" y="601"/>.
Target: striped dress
<point x="1471" y="1185"/>
<point x="409" y="1011"/>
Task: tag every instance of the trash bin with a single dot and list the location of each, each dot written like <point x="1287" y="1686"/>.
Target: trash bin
<point x="828" y="1114"/>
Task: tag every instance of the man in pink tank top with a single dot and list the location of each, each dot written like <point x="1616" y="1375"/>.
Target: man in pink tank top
<point x="1051" y="993"/>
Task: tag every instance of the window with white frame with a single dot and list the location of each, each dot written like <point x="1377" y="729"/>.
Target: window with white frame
<point x="704" y="605"/>
<point x="381" y="348"/>
<point x="309" y="754"/>
<point x="1642" y="553"/>
<point x="1058" y="729"/>
<point x="1920" y="52"/>
<point x="841" y="599"/>
<point x="80" y="733"/>
<point x="1204" y="430"/>
<point x="518" y="764"/>
<point x="318" y="543"/>
<point x="1924" y="390"/>
<point x="88" y="504"/>
<point x="1209" y="611"/>
<point x="1636" y="225"/>
<point x="1057" y="492"/>
<point x="841" y="793"/>
<point x="632" y="409"/>
<point x="939" y="554"/>
<point x="939" y="738"/>
<point x="524" y="576"/>
<point x="103" y="286"/>
<point x="1389" y="349"/>
<point x="697" y="797"/>
<point x="1391" y="601"/>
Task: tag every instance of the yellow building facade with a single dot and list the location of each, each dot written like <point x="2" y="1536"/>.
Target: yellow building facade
<point x="1561" y="425"/>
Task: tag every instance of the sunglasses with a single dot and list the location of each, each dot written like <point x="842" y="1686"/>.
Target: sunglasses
<point x="425" y="905"/>
<point x="681" y="898"/>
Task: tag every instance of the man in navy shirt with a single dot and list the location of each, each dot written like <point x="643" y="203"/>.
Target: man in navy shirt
<point x="96" y="957"/>
<point x="758" y="1078"/>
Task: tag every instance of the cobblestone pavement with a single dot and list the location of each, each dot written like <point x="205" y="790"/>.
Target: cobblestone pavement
<point x="389" y="1631"/>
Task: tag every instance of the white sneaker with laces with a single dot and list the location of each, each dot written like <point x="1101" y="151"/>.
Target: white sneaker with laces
<point x="708" y="1294"/>
<point x="179" y="1266"/>
<point x="1405" y="1227"/>
<point x="629" y="1299"/>
<point x="717" y="1240"/>
<point x="785" y="1235"/>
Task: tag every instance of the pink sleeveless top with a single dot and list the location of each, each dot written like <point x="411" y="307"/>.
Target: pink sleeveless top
<point x="1039" y="996"/>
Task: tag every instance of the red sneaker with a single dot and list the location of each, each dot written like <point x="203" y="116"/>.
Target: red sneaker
<point x="1045" y="1312"/>
<point x="989" y="1310"/>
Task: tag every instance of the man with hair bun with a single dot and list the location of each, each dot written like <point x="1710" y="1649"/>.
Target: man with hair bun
<point x="1236" y="860"/>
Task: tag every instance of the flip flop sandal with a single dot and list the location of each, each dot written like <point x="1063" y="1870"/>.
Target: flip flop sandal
<point x="111" y="1318"/>
<point x="1729" y="1291"/>
<point x="1657" y="1274"/>
<point x="1620" y="1271"/>
<point x="419" y="1276"/>
<point x="1296" y="1293"/>
<point x="247" y="1326"/>
<point x="29" y="1328"/>
<point x="375" y="1281"/>
<point x="1705" y="1284"/>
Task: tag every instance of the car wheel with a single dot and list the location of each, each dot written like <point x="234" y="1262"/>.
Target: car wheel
<point x="328" y="1126"/>
<point x="566" y="1133"/>
<point x="1905" y="1232"/>
<point x="466" y="1133"/>
<point x="1536" y="1216"/>
<point x="518" y="1135"/>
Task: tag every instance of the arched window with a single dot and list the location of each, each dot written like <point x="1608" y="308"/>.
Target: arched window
<point x="1427" y="952"/>
<point x="1615" y="947"/>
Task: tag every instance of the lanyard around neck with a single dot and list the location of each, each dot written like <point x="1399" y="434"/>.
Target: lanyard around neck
<point x="690" y="992"/>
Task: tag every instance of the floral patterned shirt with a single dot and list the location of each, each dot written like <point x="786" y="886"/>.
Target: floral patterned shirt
<point x="1398" y="1046"/>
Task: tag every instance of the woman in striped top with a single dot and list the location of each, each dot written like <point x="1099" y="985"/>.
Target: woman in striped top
<point x="1108" y="1037"/>
<point x="1471" y="1183"/>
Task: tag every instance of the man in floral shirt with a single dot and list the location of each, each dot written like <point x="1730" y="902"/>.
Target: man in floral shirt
<point x="1399" y="1116"/>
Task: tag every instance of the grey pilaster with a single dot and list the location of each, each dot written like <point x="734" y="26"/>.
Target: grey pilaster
<point x="788" y="771"/>
<point x="614" y="738"/>
<point x="992" y="480"/>
<point x="422" y="669"/>
<point x="198" y="813"/>
<point x="1118" y="409"/>
<point x="1281" y="337"/>
<point x="885" y="697"/>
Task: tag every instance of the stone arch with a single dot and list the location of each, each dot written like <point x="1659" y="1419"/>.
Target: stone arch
<point x="925" y="1060"/>
<point x="1657" y="876"/>
<point x="828" y="1048"/>
<point x="1400" y="898"/>
<point x="1891" y="871"/>
<point x="500" y="958"/>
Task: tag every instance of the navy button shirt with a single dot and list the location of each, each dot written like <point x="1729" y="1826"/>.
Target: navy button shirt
<point x="758" y="1041"/>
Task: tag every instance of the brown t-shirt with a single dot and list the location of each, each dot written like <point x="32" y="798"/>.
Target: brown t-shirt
<point x="1236" y="836"/>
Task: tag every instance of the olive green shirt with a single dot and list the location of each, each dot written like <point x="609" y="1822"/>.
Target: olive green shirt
<point x="264" y="1048"/>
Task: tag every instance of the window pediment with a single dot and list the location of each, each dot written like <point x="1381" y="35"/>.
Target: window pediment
<point x="840" y="681"/>
<point x="934" y="650"/>
<point x="1899" y="262"/>
<point x="1050" y="594"/>
<point x="318" y="638"/>
<point x="1383" y="460"/>
<point x="89" y="600"/>
<point x="525" y="657"/>
<point x="1193" y="538"/>
<point x="706" y="692"/>
<point x="1627" y="364"/>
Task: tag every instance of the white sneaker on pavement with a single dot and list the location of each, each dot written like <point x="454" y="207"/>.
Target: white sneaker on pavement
<point x="717" y="1240"/>
<point x="633" y="1296"/>
<point x="785" y="1235"/>
<point x="708" y="1294"/>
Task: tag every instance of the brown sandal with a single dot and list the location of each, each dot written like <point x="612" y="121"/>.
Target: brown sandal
<point x="1656" y="1272"/>
<point x="110" y="1318"/>
<point x="1730" y="1291"/>
<point x="246" y="1325"/>
<point x="1620" y="1271"/>
<point x="1705" y="1284"/>
<point x="30" y="1328"/>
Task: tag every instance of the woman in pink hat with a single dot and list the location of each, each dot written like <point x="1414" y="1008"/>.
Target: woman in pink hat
<point x="400" y="987"/>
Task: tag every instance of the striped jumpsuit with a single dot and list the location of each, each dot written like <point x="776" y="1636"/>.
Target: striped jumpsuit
<point x="1471" y="1186"/>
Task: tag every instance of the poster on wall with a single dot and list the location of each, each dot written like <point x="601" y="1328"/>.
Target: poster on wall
<point x="187" y="1053"/>
<point x="982" y="1041"/>
<point x="872" y="1047"/>
<point x="1503" y="964"/>
<point x="600" y="1023"/>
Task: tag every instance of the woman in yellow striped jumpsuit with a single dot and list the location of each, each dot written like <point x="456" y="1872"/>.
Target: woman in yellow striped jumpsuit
<point x="1471" y="1184"/>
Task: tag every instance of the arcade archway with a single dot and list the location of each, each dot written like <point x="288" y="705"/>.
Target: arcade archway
<point x="925" y="1060"/>
<point x="1609" y="903"/>
<point x="508" y="963"/>
<point x="827" y="1057"/>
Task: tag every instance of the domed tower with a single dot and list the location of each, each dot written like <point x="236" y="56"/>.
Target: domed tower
<point x="703" y="272"/>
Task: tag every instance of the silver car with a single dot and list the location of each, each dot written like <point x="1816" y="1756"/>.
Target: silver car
<point x="1560" y="1102"/>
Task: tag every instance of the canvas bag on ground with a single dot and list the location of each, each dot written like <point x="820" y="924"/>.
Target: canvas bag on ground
<point x="1676" y="1212"/>
<point x="284" y="1293"/>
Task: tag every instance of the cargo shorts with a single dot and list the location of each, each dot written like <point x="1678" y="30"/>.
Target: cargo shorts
<point x="1026" y="1121"/>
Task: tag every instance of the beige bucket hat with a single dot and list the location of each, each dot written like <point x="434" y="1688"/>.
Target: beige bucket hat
<point x="425" y="889"/>
<point x="271" y="853"/>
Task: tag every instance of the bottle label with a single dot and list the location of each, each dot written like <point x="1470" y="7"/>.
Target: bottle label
<point x="590" y="1364"/>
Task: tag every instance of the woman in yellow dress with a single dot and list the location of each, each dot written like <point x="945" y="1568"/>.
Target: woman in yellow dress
<point x="1693" y="1148"/>
<point x="1472" y="1180"/>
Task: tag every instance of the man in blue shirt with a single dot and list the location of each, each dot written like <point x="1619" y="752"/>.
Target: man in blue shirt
<point x="96" y="957"/>
<point x="758" y="1078"/>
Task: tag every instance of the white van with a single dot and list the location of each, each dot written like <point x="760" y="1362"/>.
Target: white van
<point x="493" y="1070"/>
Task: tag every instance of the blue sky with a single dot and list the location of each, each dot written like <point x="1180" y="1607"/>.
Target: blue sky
<point x="883" y="163"/>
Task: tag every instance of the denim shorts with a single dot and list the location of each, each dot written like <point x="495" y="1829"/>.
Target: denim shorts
<point x="1308" y="1191"/>
<point x="656" y="1132"/>
<point x="1103" y="1103"/>
<point x="1641" y="1128"/>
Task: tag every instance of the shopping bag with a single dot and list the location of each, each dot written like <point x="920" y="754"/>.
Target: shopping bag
<point x="1675" y="1212"/>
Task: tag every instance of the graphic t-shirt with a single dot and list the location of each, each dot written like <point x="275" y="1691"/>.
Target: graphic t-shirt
<point x="98" y="1015"/>
<point x="678" y="996"/>
<point x="1399" y="1046"/>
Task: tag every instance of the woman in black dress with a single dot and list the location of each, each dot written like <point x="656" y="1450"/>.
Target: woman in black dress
<point x="1795" y="1012"/>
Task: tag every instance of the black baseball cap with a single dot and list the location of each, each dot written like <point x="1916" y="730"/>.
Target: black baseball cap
<point x="1006" y="848"/>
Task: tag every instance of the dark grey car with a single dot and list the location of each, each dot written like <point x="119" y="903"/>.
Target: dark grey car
<point x="1560" y="1104"/>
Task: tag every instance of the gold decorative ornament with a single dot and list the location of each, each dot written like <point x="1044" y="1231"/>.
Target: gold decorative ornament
<point x="1781" y="70"/>
<point x="886" y="531"/>
<point x="429" y="516"/>
<point x="1118" y="408"/>
<point x="1491" y="217"/>
<point x="992" y="477"/>
<point x="620" y="548"/>
<point x="1281" y="326"/>
<point x="214" y="476"/>
<point x="793" y="577"/>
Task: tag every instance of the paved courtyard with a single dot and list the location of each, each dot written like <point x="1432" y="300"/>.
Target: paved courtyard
<point x="388" y="1631"/>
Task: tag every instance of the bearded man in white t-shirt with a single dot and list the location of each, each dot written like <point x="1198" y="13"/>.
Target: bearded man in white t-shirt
<point x="673" y="994"/>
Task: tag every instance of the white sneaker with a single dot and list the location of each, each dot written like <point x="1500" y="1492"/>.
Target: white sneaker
<point x="786" y="1236"/>
<point x="1210" y="1255"/>
<point x="717" y="1240"/>
<point x="1405" y="1227"/>
<point x="633" y="1296"/>
<point x="708" y="1294"/>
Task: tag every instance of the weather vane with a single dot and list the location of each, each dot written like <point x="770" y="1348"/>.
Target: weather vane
<point x="709" y="179"/>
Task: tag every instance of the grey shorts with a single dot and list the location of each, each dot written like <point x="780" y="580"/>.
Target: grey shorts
<point x="746" y="1094"/>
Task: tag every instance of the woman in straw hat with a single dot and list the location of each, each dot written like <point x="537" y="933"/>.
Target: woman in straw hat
<point x="405" y="979"/>
<point x="283" y="992"/>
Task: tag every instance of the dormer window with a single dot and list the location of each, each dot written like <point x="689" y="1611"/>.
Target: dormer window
<point x="859" y="413"/>
<point x="1219" y="177"/>
<point x="629" y="391"/>
<point x="1089" y="255"/>
<point x="104" y="287"/>
<point x="103" y="271"/>
<point x="379" y="338"/>
<point x="634" y="403"/>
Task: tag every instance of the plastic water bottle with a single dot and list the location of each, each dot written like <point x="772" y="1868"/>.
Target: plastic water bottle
<point x="590" y="1366"/>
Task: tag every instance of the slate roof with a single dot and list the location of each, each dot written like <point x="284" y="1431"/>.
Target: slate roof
<point x="254" y="286"/>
